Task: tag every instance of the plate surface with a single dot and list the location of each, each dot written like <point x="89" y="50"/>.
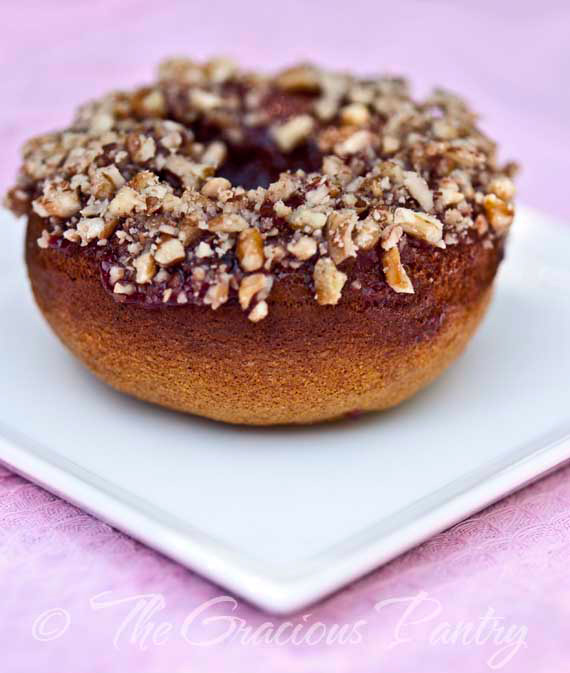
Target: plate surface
<point x="283" y="517"/>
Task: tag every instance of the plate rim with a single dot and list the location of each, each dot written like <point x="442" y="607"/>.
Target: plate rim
<point x="315" y="577"/>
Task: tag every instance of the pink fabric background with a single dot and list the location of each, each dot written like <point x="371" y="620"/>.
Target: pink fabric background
<point x="513" y="61"/>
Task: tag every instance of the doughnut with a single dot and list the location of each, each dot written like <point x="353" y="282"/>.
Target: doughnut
<point x="265" y="249"/>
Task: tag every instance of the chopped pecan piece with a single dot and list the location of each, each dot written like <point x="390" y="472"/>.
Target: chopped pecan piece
<point x="215" y="186"/>
<point x="499" y="213"/>
<point x="329" y="282"/>
<point x="306" y="217"/>
<point x="145" y="267"/>
<point x="256" y="285"/>
<point x="300" y="78"/>
<point x="57" y="203"/>
<point x="355" y="114"/>
<point x="292" y="133"/>
<point x="259" y="311"/>
<point x="420" y="225"/>
<point x="303" y="248"/>
<point x="419" y="189"/>
<point x="396" y="275"/>
<point x="249" y="249"/>
<point x="170" y="252"/>
<point x="228" y="223"/>
<point x="340" y="229"/>
<point x="502" y="187"/>
<point x="125" y="202"/>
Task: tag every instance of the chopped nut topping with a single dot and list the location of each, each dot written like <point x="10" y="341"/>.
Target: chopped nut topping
<point x="449" y="194"/>
<point x="59" y="203"/>
<point x="187" y="170"/>
<point x="281" y="210"/>
<point x="215" y="186"/>
<point x="204" y="100"/>
<point x="109" y="175"/>
<point x="125" y="202"/>
<point x="220" y="70"/>
<point x="215" y="154"/>
<point x="443" y="130"/>
<point x="124" y="288"/>
<point x="259" y="311"/>
<point x="217" y="294"/>
<point x="326" y="108"/>
<point x="391" y="236"/>
<point x="329" y="281"/>
<point x="204" y="250"/>
<point x="115" y="274"/>
<point x="305" y="217"/>
<point x="390" y="144"/>
<point x="357" y="142"/>
<point x="90" y="228"/>
<point x="141" y="148"/>
<point x="249" y="250"/>
<point x="256" y="285"/>
<point x="333" y="168"/>
<point x="367" y="233"/>
<point x="481" y="225"/>
<point x="188" y="234"/>
<point x="145" y="267"/>
<point x="420" y="225"/>
<point x="152" y="104"/>
<point x="227" y="223"/>
<point x="419" y="189"/>
<point x="396" y="275"/>
<point x="282" y="189"/>
<point x="300" y="78"/>
<point x="499" y="213"/>
<point x="304" y="248"/>
<point x="502" y="187"/>
<point x="355" y="114"/>
<point x="43" y="240"/>
<point x="170" y="252"/>
<point x="340" y="229"/>
<point x="294" y="132"/>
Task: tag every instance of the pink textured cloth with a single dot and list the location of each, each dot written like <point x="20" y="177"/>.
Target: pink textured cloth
<point x="505" y="568"/>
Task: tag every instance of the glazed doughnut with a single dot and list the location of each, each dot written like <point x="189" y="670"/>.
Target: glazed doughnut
<point x="265" y="250"/>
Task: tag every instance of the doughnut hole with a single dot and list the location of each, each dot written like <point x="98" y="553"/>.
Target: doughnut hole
<point x="257" y="162"/>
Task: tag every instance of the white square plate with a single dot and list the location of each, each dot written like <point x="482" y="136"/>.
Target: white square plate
<point x="283" y="517"/>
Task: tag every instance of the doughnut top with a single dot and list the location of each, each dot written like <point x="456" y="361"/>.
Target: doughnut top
<point x="213" y="183"/>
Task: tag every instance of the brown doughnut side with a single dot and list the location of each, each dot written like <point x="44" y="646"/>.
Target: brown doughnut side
<point x="303" y="363"/>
